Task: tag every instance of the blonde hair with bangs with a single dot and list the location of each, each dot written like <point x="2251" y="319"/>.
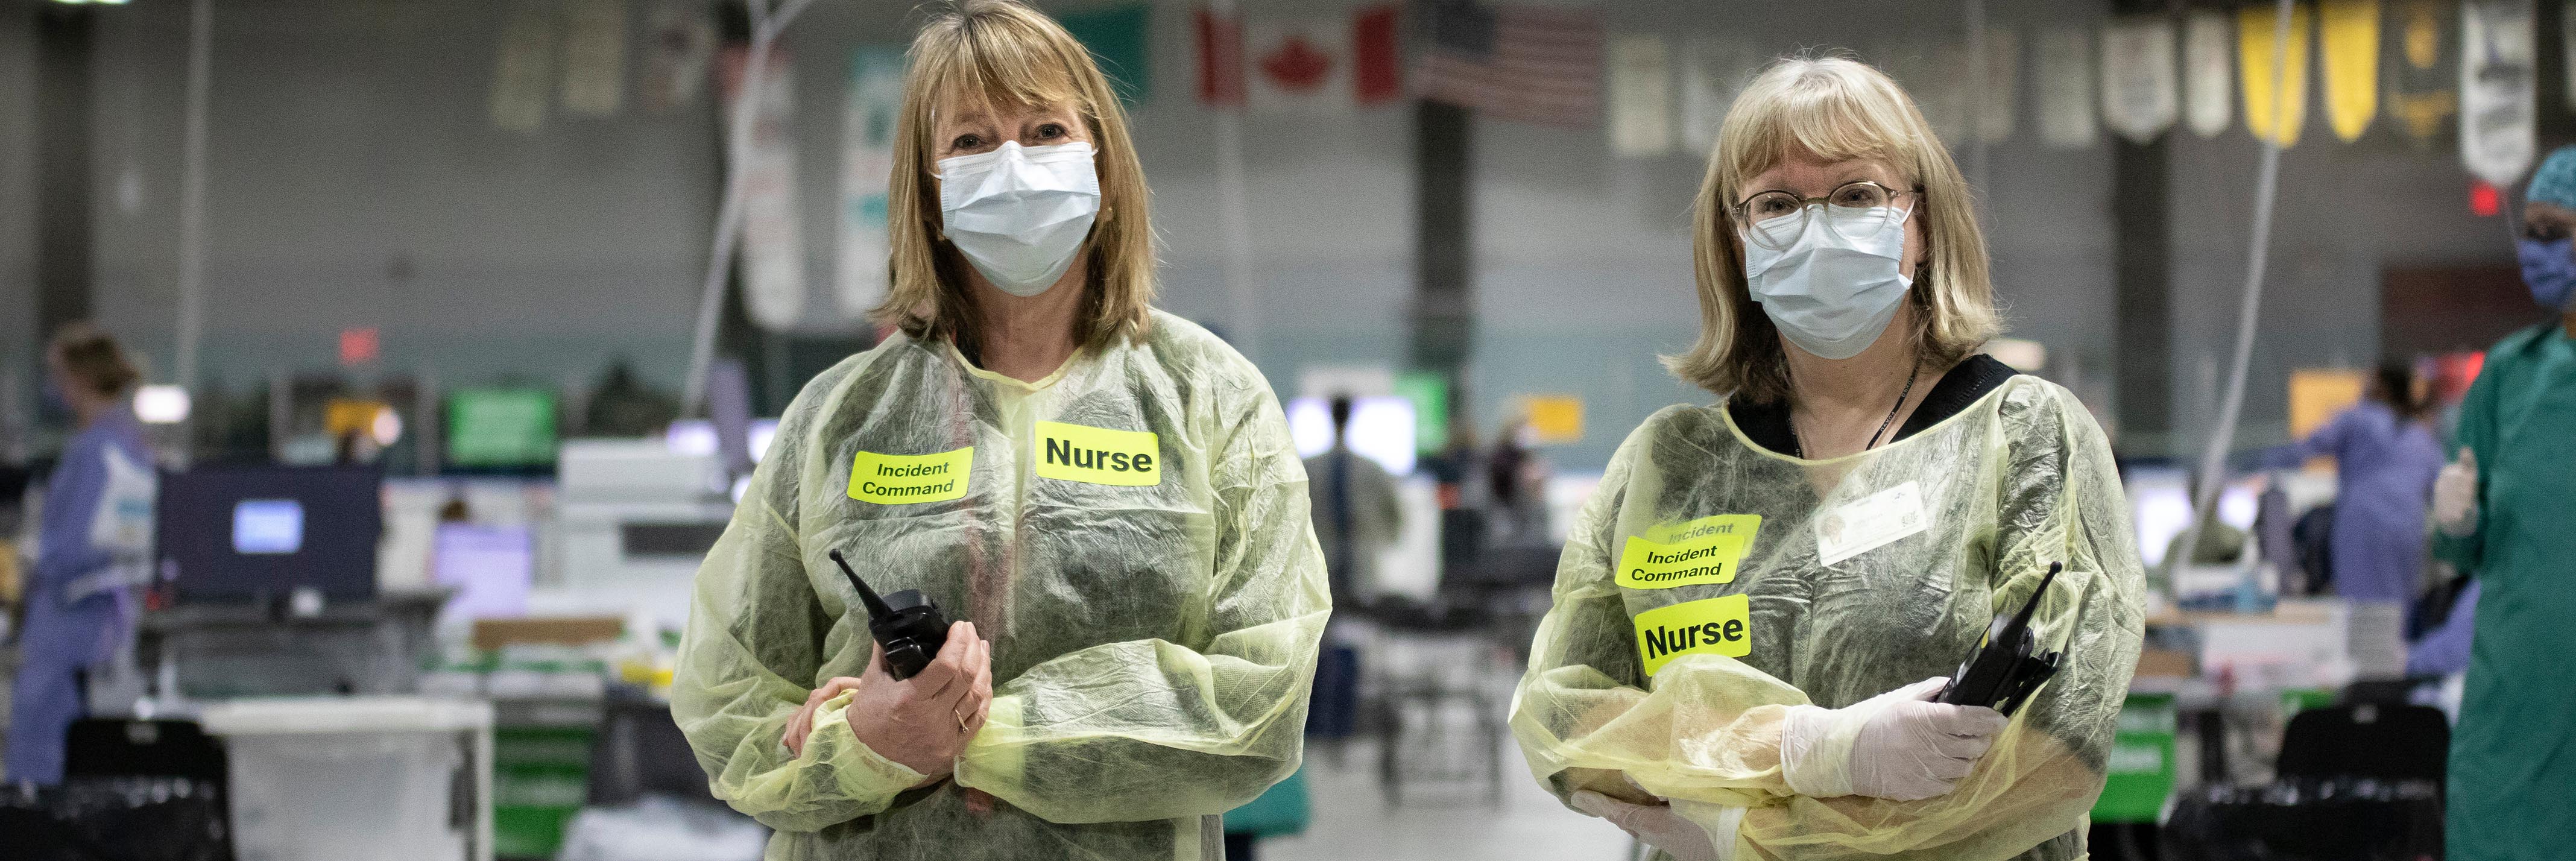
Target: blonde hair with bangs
<point x="1003" y="52"/>
<point x="1838" y="109"/>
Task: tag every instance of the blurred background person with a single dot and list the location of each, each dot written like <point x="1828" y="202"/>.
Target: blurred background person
<point x="2385" y="459"/>
<point x="1356" y="512"/>
<point x="77" y="612"/>
<point x="2508" y="519"/>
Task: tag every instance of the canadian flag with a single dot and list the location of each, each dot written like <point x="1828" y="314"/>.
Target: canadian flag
<point x="1300" y="65"/>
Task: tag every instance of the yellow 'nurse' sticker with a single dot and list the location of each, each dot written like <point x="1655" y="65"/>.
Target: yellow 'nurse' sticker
<point x="1707" y="550"/>
<point x="1093" y="455"/>
<point x="903" y="479"/>
<point x="1715" y="626"/>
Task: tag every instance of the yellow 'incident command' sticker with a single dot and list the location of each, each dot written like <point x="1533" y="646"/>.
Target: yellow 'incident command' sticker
<point x="1715" y="626"/>
<point x="1707" y="550"/>
<point x="904" y="479"/>
<point x="1093" y="455"/>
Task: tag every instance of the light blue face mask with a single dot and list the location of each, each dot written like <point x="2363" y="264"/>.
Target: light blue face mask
<point x="1829" y="294"/>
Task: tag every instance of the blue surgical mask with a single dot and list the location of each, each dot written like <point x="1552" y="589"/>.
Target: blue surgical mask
<point x="2549" y="269"/>
<point x="54" y="400"/>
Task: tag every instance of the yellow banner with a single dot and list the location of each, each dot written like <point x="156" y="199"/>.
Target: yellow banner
<point x="905" y="479"/>
<point x="2350" y="51"/>
<point x="1716" y="626"/>
<point x="2266" y="116"/>
<point x="1707" y="550"/>
<point x="2419" y="94"/>
<point x="1093" y="455"/>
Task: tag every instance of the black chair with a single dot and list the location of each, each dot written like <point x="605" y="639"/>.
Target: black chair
<point x="2379" y="740"/>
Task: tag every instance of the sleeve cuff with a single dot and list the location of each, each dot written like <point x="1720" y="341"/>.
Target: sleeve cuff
<point x="996" y="758"/>
<point x="1722" y="822"/>
<point x="857" y="769"/>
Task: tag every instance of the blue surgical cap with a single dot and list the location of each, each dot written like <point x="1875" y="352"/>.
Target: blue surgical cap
<point x="2555" y="182"/>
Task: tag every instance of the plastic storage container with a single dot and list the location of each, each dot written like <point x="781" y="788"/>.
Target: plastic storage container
<point x="358" y="778"/>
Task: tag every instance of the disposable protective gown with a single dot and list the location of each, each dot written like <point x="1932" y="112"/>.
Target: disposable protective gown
<point x="1130" y="533"/>
<point x="1842" y="589"/>
<point x="2513" y="756"/>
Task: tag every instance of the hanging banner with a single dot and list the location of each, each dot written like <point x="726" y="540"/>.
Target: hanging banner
<point x="683" y="40"/>
<point x="2140" y="93"/>
<point x="2348" y="48"/>
<point x="2065" y="59"/>
<point x="1641" y="103"/>
<point x="2208" y="72"/>
<point x="773" y="246"/>
<point x="2497" y="97"/>
<point x="523" y="77"/>
<point x="594" y="79"/>
<point x="867" y="167"/>
<point x="2270" y="115"/>
<point x="1993" y="103"/>
<point x="2419" y="88"/>
<point x="1933" y="75"/>
<point x="1713" y="70"/>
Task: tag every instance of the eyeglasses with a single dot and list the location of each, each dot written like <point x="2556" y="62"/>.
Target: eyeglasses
<point x="1855" y="210"/>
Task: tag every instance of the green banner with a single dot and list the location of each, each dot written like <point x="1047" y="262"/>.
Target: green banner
<point x="1118" y="37"/>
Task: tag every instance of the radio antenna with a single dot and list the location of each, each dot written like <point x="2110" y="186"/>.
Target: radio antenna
<point x="877" y="608"/>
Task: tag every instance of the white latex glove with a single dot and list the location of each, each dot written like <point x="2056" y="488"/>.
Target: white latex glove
<point x="1660" y="826"/>
<point x="2455" y="495"/>
<point x="1898" y="745"/>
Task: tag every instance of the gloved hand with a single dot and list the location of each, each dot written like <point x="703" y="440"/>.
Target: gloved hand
<point x="1657" y="826"/>
<point x="1898" y="745"/>
<point x="2455" y="495"/>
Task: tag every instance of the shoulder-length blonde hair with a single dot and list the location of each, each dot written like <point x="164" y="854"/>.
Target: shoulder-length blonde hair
<point x="1837" y="109"/>
<point x="1003" y="52"/>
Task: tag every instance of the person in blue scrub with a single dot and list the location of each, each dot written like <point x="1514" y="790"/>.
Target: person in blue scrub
<point x="2385" y="459"/>
<point x="75" y="614"/>
<point x="2508" y="519"/>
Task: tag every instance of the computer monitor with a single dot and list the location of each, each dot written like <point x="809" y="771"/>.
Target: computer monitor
<point x="246" y="533"/>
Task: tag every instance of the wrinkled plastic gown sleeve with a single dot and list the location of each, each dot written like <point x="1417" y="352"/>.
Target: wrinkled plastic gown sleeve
<point x="2020" y="479"/>
<point x="1153" y="646"/>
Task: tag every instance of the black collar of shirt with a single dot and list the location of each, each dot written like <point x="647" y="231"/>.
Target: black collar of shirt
<point x="1768" y="424"/>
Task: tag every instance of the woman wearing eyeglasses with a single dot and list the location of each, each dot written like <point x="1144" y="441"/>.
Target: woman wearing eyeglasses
<point x="1760" y="605"/>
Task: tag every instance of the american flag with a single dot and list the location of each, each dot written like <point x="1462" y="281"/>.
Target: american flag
<point x="1531" y="63"/>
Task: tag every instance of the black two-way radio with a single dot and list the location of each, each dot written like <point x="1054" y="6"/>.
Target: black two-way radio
<point x="906" y="623"/>
<point x="2004" y="670"/>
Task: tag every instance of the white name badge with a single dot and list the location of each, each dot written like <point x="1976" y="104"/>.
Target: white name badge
<point x="1870" y="522"/>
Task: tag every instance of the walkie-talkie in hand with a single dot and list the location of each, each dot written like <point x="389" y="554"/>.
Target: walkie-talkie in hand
<point x="906" y="623"/>
<point x="2003" y="671"/>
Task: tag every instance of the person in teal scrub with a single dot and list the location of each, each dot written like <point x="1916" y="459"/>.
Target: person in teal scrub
<point x="2505" y="512"/>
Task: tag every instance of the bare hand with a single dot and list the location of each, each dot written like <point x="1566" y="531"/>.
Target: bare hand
<point x="922" y="722"/>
